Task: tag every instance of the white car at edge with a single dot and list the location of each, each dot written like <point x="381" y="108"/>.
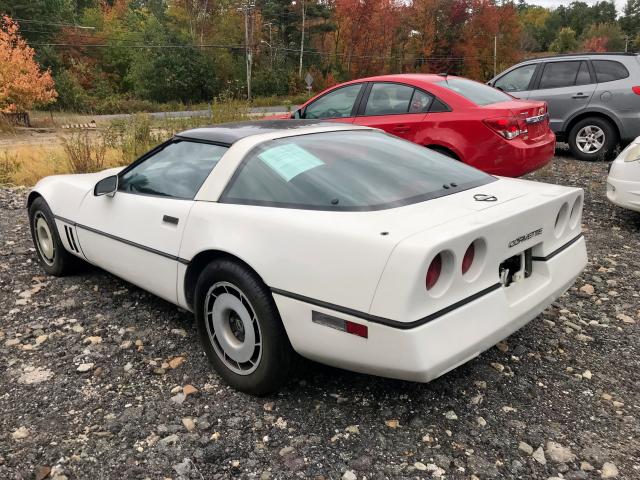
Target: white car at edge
<point x="623" y="182"/>
<point x="344" y="244"/>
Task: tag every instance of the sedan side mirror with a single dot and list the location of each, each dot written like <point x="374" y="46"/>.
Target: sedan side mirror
<point x="297" y="114"/>
<point x="107" y="186"/>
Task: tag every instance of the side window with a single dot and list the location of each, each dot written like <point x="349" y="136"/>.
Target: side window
<point x="438" y="106"/>
<point x="609" y="70"/>
<point x="388" y="98"/>
<point x="335" y="104"/>
<point x="516" y="80"/>
<point x="420" y="102"/>
<point x="584" y="76"/>
<point x="559" y="74"/>
<point x="176" y="171"/>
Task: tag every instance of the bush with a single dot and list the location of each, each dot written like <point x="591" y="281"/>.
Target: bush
<point x="84" y="153"/>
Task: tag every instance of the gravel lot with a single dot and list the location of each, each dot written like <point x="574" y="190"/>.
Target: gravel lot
<point x="99" y="379"/>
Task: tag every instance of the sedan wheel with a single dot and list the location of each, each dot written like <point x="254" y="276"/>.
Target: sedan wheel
<point x="590" y="139"/>
<point x="233" y="328"/>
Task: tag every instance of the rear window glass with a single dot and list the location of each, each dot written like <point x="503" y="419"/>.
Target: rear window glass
<point x="609" y="70"/>
<point x="346" y="171"/>
<point x="559" y="74"/>
<point x="478" y="93"/>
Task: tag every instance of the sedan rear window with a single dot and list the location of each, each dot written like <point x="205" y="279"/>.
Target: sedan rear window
<point x="475" y="92"/>
<point x="346" y="171"/>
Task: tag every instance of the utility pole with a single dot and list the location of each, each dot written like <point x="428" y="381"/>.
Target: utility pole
<point x="495" y="53"/>
<point x="247" y="46"/>
<point x="301" y="43"/>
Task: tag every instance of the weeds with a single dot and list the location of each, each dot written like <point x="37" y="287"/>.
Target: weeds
<point x="9" y="166"/>
<point x="84" y="153"/>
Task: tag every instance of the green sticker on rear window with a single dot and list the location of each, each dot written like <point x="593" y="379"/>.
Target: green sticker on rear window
<point x="289" y="160"/>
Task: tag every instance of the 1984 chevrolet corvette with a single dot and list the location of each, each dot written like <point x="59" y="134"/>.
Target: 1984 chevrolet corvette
<point x="342" y="243"/>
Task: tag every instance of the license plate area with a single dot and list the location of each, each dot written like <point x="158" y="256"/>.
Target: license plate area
<point x="516" y="268"/>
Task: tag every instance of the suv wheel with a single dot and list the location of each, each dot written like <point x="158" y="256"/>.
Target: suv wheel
<point x="592" y="138"/>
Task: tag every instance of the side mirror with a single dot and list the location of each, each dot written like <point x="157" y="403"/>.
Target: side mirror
<point x="107" y="186"/>
<point x="297" y="114"/>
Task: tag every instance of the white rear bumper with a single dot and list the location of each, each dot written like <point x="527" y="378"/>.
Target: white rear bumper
<point x="432" y="349"/>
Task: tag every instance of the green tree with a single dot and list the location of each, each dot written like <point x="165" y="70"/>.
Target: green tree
<point x="566" y="41"/>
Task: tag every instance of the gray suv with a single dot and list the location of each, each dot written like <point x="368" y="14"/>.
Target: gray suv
<point x="593" y="98"/>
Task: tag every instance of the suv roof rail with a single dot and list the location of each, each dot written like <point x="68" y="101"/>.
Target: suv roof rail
<point x="577" y="54"/>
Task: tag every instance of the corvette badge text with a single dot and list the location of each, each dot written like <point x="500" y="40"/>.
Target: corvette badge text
<point x="524" y="238"/>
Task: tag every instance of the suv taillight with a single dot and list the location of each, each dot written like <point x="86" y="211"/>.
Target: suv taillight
<point x="508" y="127"/>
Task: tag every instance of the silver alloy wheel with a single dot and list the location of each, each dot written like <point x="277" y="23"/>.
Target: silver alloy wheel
<point x="44" y="239"/>
<point x="590" y="139"/>
<point x="233" y="328"/>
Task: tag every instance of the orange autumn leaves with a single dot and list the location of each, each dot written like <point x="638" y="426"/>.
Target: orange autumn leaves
<point x="22" y="83"/>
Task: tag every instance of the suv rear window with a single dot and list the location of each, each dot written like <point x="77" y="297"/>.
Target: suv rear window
<point x="609" y="70"/>
<point x="354" y="170"/>
<point x="477" y="93"/>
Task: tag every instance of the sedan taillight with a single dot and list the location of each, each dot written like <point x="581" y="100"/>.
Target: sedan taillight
<point x="508" y="127"/>
<point x="636" y="90"/>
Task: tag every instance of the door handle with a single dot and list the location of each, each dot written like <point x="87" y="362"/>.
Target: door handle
<point x="580" y="95"/>
<point x="170" y="219"/>
<point x="401" y="129"/>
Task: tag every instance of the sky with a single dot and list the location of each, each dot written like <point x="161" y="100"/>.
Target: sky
<point x="554" y="3"/>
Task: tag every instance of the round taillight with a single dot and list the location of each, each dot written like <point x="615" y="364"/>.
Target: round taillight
<point x="433" y="272"/>
<point x="467" y="260"/>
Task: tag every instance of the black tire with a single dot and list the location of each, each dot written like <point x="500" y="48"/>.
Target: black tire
<point x="609" y="144"/>
<point x="61" y="262"/>
<point x="274" y="361"/>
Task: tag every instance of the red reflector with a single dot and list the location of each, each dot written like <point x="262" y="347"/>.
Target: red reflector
<point x="356" y="329"/>
<point x="467" y="260"/>
<point x="433" y="272"/>
<point x="636" y="90"/>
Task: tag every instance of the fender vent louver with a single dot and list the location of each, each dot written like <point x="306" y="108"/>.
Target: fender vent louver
<point x="71" y="239"/>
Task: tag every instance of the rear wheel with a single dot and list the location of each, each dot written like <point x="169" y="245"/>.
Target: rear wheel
<point x="240" y="328"/>
<point x="52" y="255"/>
<point x="593" y="138"/>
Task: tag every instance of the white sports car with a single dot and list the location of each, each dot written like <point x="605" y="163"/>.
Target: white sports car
<point x="341" y="243"/>
<point x="623" y="183"/>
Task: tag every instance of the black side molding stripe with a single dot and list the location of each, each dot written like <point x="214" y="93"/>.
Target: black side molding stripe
<point x="558" y="250"/>
<point x="386" y="321"/>
<point x="124" y="240"/>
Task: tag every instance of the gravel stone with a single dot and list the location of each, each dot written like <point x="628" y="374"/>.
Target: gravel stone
<point x="129" y="425"/>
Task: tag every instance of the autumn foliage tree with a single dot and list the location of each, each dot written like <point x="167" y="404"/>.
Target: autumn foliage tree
<point x="23" y="84"/>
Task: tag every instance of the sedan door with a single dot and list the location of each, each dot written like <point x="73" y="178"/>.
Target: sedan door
<point x="567" y="86"/>
<point x="395" y="108"/>
<point x="136" y="233"/>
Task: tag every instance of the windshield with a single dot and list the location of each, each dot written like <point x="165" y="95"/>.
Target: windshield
<point x="348" y="171"/>
<point x="475" y="92"/>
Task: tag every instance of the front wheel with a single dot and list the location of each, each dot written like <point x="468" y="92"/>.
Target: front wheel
<point x="592" y="138"/>
<point x="240" y="328"/>
<point x="52" y="255"/>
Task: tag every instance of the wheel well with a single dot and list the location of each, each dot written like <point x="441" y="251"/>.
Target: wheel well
<point x="582" y="116"/>
<point x="444" y="150"/>
<point x="31" y="198"/>
<point x="198" y="264"/>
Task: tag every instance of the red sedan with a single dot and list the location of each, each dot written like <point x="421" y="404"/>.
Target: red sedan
<point x="466" y="120"/>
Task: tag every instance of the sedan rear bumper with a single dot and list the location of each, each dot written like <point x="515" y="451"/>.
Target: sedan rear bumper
<point x="514" y="158"/>
<point x="430" y="350"/>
